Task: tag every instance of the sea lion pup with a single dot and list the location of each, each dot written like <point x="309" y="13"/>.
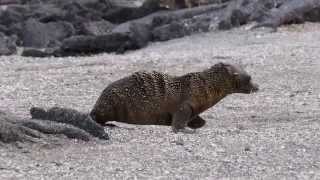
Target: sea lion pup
<point x="155" y="98"/>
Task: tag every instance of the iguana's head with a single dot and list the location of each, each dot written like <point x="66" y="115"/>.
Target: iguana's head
<point x="236" y="78"/>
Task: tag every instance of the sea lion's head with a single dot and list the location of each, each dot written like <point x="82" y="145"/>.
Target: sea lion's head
<point x="240" y="80"/>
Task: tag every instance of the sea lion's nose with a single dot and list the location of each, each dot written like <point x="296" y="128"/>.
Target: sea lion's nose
<point x="255" y="87"/>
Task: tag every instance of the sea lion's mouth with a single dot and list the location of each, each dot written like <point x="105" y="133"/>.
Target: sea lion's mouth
<point x="255" y="88"/>
<point x="248" y="89"/>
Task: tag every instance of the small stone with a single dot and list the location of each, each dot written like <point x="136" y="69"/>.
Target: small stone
<point x="57" y="163"/>
<point x="179" y="141"/>
<point x="247" y="148"/>
<point x="292" y="95"/>
<point x="240" y="127"/>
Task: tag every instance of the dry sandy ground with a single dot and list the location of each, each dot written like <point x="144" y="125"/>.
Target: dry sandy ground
<point x="273" y="134"/>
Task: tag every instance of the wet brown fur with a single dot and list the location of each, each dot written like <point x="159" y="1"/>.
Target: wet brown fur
<point x="160" y="99"/>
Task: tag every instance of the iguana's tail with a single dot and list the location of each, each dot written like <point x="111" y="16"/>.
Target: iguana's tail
<point x="72" y="117"/>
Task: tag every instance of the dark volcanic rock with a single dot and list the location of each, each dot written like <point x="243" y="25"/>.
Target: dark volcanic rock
<point x="46" y="23"/>
<point x="177" y="29"/>
<point x="78" y="45"/>
<point x="293" y="11"/>
<point x="4" y="29"/>
<point x="169" y="31"/>
<point x="7" y="45"/>
<point x="77" y="10"/>
<point x="40" y="35"/>
<point x="36" y="52"/>
<point x="98" y="5"/>
<point x="96" y="28"/>
<point x="123" y="14"/>
<point x="269" y="13"/>
<point x="13" y="14"/>
<point x="47" y="13"/>
<point x="235" y="15"/>
<point x="7" y="2"/>
<point x="72" y="11"/>
<point x="140" y="34"/>
<point x="15" y="30"/>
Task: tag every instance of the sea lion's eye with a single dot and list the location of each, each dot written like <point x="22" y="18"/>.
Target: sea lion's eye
<point x="247" y="79"/>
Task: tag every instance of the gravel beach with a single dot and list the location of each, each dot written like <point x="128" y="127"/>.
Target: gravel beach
<point x="272" y="134"/>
